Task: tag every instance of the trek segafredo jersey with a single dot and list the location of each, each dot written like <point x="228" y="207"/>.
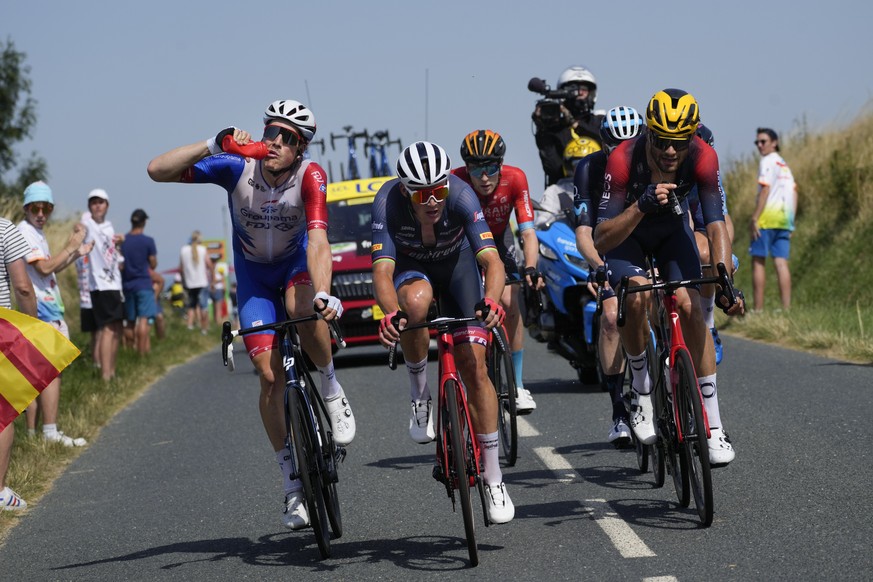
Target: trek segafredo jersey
<point x="269" y="224"/>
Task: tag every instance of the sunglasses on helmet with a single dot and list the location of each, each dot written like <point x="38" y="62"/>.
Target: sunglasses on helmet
<point x="423" y="196"/>
<point x="289" y="137"/>
<point x="485" y="169"/>
<point x="664" y="144"/>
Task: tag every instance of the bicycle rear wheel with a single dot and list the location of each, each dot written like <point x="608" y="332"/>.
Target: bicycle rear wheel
<point x="458" y="461"/>
<point x="304" y="438"/>
<point x="327" y="466"/>
<point x="694" y="444"/>
<point x="502" y="374"/>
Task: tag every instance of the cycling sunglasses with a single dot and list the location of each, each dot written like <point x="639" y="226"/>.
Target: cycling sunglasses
<point x="45" y="207"/>
<point x="423" y="196"/>
<point x="289" y="137"/>
<point x="487" y="170"/>
<point x="660" y="143"/>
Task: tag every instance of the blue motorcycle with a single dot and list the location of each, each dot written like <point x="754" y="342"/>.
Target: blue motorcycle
<point x="563" y="314"/>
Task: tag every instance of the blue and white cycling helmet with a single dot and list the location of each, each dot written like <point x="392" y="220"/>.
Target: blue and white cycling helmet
<point x="423" y="164"/>
<point x="705" y="134"/>
<point x="295" y="113"/>
<point x="620" y="124"/>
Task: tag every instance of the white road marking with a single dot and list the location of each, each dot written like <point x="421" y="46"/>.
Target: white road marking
<point x="661" y="579"/>
<point x="558" y="464"/>
<point x="619" y="532"/>
<point x="623" y="537"/>
<point x="525" y="428"/>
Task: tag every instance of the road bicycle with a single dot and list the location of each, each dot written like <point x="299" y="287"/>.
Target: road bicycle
<point x="352" y="137"/>
<point x="458" y="459"/>
<point x="681" y="425"/>
<point x="376" y="148"/>
<point x="307" y="426"/>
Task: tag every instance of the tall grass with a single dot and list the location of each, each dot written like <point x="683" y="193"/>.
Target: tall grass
<point x="832" y="278"/>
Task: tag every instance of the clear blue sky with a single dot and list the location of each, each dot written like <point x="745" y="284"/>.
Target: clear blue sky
<point x="119" y="82"/>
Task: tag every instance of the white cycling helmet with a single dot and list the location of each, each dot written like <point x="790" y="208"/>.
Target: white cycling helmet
<point x="577" y="75"/>
<point x="423" y="164"/>
<point x="295" y="113"/>
<point x="620" y="123"/>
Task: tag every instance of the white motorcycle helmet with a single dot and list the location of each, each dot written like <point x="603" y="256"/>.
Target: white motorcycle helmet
<point x="581" y="76"/>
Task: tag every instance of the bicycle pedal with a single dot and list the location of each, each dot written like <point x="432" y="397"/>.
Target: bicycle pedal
<point x="339" y="454"/>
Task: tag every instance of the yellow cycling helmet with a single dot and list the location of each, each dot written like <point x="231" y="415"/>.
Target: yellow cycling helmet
<point x="577" y="148"/>
<point x="673" y="114"/>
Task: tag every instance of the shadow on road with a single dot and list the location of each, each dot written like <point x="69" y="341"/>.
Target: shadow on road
<point x="429" y="553"/>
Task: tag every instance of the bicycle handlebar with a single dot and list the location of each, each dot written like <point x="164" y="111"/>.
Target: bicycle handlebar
<point x="722" y="279"/>
<point x="228" y="335"/>
<point x="352" y="136"/>
<point x="441" y="324"/>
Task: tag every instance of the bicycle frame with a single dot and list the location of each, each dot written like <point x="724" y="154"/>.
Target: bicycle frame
<point x="352" y="137"/>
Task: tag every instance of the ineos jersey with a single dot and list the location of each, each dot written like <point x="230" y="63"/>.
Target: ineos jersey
<point x="588" y="183"/>
<point x="269" y="224"/>
<point x="396" y="230"/>
<point x="512" y="192"/>
<point x="628" y="175"/>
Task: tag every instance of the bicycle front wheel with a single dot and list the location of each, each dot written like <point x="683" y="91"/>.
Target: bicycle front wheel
<point x="328" y="463"/>
<point x="502" y="373"/>
<point x="694" y="445"/>
<point x="304" y="436"/>
<point x="458" y="462"/>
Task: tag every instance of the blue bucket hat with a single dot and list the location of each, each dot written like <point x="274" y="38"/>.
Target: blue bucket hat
<point x="38" y="192"/>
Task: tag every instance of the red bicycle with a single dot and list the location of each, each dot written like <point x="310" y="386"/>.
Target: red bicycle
<point x="681" y="424"/>
<point x="458" y="461"/>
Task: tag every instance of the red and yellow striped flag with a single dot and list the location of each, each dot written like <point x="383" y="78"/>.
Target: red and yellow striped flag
<point x="32" y="354"/>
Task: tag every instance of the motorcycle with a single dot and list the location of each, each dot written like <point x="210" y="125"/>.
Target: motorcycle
<point x="562" y="314"/>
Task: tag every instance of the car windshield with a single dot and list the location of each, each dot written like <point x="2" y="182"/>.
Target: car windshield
<point x="349" y="222"/>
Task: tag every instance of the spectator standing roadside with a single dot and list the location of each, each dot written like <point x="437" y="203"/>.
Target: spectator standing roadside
<point x="41" y="269"/>
<point x="13" y="250"/>
<point x="773" y="220"/>
<point x="104" y="281"/>
<point x="140" y="257"/>
<point x="196" y="268"/>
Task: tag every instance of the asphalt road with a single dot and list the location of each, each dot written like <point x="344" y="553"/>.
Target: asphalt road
<point x="182" y="485"/>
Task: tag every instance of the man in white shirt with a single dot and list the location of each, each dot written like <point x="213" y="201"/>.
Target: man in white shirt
<point x="104" y="280"/>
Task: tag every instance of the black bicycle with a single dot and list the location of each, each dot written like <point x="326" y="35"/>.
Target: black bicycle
<point x="307" y="425"/>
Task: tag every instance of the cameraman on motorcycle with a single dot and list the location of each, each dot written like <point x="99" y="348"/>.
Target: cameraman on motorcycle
<point x="557" y="122"/>
<point x="502" y="189"/>
<point x="619" y="124"/>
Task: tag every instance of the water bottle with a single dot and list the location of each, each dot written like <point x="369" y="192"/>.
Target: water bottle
<point x="588" y="320"/>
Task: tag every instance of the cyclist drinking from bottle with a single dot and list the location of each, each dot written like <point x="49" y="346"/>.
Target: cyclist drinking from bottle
<point x="429" y="239"/>
<point x="281" y="256"/>
<point x="502" y="189"/>
<point x="619" y="124"/>
<point x="643" y="210"/>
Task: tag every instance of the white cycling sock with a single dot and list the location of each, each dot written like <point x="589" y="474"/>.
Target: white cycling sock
<point x="418" y="389"/>
<point x="642" y="383"/>
<point x="708" y="305"/>
<point x="710" y="400"/>
<point x="330" y="388"/>
<point x="490" y="456"/>
<point x="286" y="464"/>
